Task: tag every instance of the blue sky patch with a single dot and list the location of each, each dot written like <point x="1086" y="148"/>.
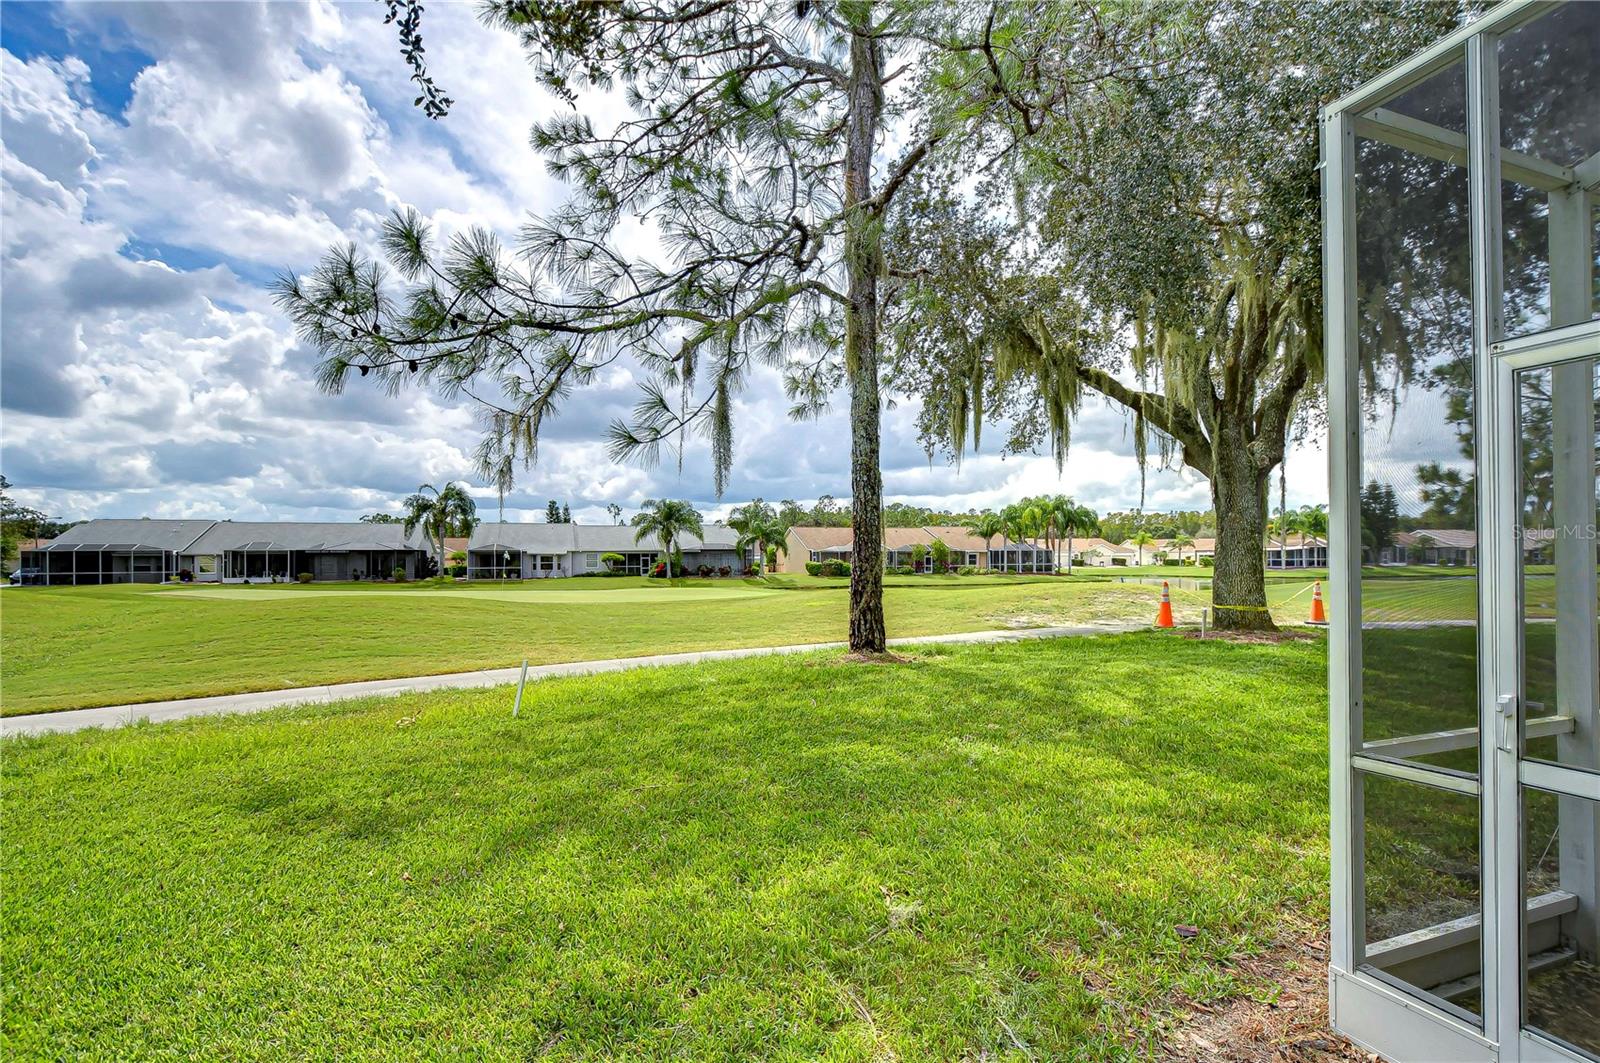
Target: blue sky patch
<point x="34" y="30"/>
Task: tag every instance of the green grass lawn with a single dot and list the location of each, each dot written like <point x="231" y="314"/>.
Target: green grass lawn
<point x="73" y="647"/>
<point x="982" y="853"/>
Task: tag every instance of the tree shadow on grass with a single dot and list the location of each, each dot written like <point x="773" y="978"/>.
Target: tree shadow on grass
<point x="934" y="845"/>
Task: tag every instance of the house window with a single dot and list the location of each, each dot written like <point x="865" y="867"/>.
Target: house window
<point x="591" y="562"/>
<point x="206" y="564"/>
<point x="972" y="560"/>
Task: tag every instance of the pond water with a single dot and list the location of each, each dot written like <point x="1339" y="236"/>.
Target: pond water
<point x="1181" y="583"/>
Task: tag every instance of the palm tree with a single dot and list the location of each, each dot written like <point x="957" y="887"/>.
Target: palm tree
<point x="986" y="526"/>
<point x="1141" y="539"/>
<point x="765" y="535"/>
<point x="1073" y="519"/>
<point x="666" y="519"/>
<point x="440" y="512"/>
<point x="1020" y="522"/>
<point x="419" y="511"/>
<point x="1181" y="540"/>
<point x="1314" y="520"/>
<point x="1286" y="521"/>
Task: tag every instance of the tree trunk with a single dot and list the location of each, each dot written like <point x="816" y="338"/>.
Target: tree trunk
<point x="863" y="256"/>
<point x="1069" y="553"/>
<point x="1239" y="496"/>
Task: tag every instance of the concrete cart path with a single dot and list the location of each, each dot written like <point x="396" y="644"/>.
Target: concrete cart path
<point x="160" y="711"/>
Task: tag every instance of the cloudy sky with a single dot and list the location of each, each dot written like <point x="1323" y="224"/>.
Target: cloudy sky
<point x="163" y="162"/>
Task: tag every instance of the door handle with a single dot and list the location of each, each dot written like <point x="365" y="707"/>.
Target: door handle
<point x="1507" y="703"/>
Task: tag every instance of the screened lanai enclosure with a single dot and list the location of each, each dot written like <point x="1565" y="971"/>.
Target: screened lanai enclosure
<point x="1462" y="228"/>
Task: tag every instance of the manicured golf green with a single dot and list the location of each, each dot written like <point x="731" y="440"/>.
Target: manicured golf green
<point x="985" y="853"/>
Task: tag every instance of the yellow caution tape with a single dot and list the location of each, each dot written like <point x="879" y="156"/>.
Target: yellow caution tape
<point x="1264" y="608"/>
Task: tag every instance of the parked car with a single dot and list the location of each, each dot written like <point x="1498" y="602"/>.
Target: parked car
<point x="31" y="576"/>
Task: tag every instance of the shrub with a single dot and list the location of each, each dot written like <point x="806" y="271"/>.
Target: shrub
<point x="1206" y="562"/>
<point x="455" y="571"/>
<point x="967" y="570"/>
<point x="1170" y="562"/>
<point x="612" y="561"/>
<point x="399" y="573"/>
<point x="185" y="576"/>
<point x="304" y="577"/>
<point x="813" y="568"/>
<point x="906" y="570"/>
<point x="835" y="567"/>
<point x="726" y="570"/>
<point x="704" y="571"/>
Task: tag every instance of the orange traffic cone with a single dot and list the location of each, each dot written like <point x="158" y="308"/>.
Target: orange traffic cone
<point x="1164" y="614"/>
<point x="1318" y="616"/>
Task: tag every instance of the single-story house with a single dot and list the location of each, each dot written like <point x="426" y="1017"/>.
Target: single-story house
<point x="1296" y="550"/>
<point x="115" y="551"/>
<point x="1099" y="553"/>
<point x="808" y="543"/>
<point x="1202" y="546"/>
<point x="1432" y="546"/>
<point x="1458" y="547"/>
<point x="968" y="550"/>
<point x="28" y="553"/>
<point x="545" y="551"/>
<point x="1162" y="549"/>
<point x="155" y="551"/>
<point x="236" y="551"/>
<point x="1148" y="554"/>
<point x="225" y="551"/>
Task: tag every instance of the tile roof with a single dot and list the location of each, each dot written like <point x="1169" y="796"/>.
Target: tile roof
<point x="1094" y="542"/>
<point x="1450" y="537"/>
<point x="959" y="538"/>
<point x="952" y="535"/>
<point x="818" y="538"/>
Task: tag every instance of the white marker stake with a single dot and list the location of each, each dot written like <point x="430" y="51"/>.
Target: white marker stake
<point x="520" y="684"/>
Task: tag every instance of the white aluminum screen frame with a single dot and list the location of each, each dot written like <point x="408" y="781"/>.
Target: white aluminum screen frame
<point x="1399" y="1024"/>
